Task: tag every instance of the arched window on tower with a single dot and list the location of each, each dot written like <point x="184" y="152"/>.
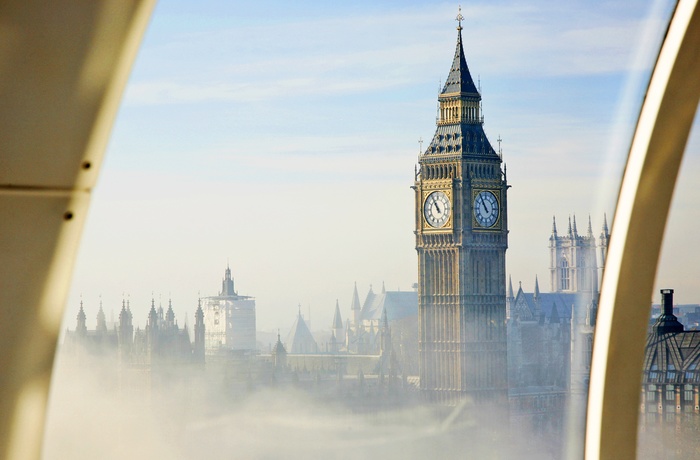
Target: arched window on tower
<point x="564" y="275"/>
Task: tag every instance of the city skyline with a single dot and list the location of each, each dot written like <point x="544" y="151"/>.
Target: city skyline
<point x="285" y="144"/>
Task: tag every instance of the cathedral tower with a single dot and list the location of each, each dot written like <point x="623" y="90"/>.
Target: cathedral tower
<point x="461" y="240"/>
<point x="572" y="260"/>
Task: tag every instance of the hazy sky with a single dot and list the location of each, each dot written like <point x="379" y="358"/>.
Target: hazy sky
<point x="282" y="138"/>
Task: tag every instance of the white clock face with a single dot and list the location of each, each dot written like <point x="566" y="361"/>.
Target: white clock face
<point x="486" y="209"/>
<point x="436" y="209"/>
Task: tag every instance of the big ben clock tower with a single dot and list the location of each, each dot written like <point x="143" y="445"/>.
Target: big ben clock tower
<point x="461" y="240"/>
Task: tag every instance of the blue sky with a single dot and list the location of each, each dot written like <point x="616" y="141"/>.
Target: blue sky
<point x="282" y="138"/>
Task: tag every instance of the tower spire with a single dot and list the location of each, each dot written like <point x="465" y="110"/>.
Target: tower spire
<point x="554" y="225"/>
<point x="605" y="224"/>
<point x="510" y="287"/>
<point x="460" y="80"/>
<point x="590" y="228"/>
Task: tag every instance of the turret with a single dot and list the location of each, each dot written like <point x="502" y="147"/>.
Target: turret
<point x="227" y="284"/>
<point x="604" y="241"/>
<point x="355" y="306"/>
<point x="199" y="333"/>
<point x="337" y="326"/>
<point x="279" y="356"/>
<point x="126" y="329"/>
<point x="101" y="321"/>
<point x="385" y="332"/>
<point x="153" y="317"/>
<point x="170" y="316"/>
<point x="510" y="299"/>
<point x="81" y="326"/>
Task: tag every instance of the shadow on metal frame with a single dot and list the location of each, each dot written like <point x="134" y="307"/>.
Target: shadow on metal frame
<point x="63" y="67"/>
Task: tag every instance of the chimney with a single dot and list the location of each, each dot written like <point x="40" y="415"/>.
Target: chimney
<point x="667" y="322"/>
<point x="667" y="302"/>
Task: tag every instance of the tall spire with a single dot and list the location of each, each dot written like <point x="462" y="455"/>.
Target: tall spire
<point x="590" y="228"/>
<point x="460" y="80"/>
<point x="101" y="319"/>
<point x="570" y="232"/>
<point x="337" y="319"/>
<point x="605" y="225"/>
<point x="537" y="287"/>
<point x="81" y="327"/>
<point x="355" y="305"/>
<point x="575" y="230"/>
<point x="510" y="287"/>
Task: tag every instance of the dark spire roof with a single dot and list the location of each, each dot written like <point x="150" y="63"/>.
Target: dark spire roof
<point x="554" y="316"/>
<point x="510" y="287"/>
<point x="355" y="305"/>
<point x="460" y="80"/>
<point x="337" y="319"/>
<point x="300" y="340"/>
<point x="101" y="319"/>
<point x="606" y="233"/>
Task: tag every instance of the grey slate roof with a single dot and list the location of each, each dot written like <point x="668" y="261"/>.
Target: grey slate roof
<point x="680" y="349"/>
<point x="398" y="305"/>
<point x="337" y="319"/>
<point x="464" y="139"/>
<point x="556" y="306"/>
<point x="460" y="79"/>
<point x="300" y="340"/>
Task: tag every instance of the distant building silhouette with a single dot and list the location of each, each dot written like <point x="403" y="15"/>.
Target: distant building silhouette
<point x="161" y="343"/>
<point x="229" y="319"/>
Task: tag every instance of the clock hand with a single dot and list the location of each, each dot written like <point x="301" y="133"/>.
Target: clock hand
<point x="483" y="205"/>
<point x="437" y="207"/>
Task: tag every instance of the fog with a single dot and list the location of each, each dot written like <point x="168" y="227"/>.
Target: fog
<point x="94" y="412"/>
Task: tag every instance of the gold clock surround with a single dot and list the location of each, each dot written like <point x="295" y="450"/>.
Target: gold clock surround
<point x="476" y="226"/>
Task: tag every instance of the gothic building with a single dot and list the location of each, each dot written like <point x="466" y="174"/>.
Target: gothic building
<point x="572" y="266"/>
<point x="366" y="328"/>
<point x="550" y="334"/>
<point x="461" y="240"/>
<point x="161" y="343"/>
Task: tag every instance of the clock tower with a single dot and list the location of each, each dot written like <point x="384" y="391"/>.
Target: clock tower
<point x="461" y="240"/>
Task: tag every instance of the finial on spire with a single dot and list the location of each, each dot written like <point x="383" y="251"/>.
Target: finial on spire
<point x="605" y="223"/>
<point x="459" y="18"/>
<point x="590" y="228"/>
<point x="554" y="225"/>
<point x="575" y="229"/>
